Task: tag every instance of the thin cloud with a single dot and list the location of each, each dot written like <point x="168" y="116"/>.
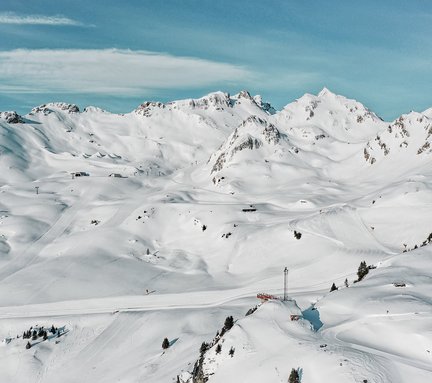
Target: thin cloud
<point x="110" y="71"/>
<point x="13" y="18"/>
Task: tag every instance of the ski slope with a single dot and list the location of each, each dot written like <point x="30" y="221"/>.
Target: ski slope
<point x="190" y="209"/>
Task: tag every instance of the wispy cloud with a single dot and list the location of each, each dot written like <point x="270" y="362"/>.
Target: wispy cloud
<point x="13" y="18"/>
<point x="109" y="71"/>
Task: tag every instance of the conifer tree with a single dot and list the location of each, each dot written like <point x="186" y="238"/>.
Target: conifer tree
<point x="333" y="287"/>
<point x="229" y="322"/>
<point x="165" y="343"/>
<point x="28" y="345"/>
<point x="231" y="352"/>
<point x="203" y="348"/>
<point x="362" y="270"/>
<point x="294" y="376"/>
<point x="218" y="348"/>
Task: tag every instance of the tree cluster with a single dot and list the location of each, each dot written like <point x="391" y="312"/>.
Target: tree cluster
<point x="41" y="332"/>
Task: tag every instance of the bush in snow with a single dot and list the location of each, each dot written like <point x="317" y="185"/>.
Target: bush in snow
<point x="165" y="343"/>
<point x="297" y="234"/>
<point x="294" y="376"/>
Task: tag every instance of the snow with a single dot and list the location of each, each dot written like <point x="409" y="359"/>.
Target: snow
<point x="177" y="244"/>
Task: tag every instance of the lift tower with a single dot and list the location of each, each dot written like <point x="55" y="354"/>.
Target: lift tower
<point x="285" y="297"/>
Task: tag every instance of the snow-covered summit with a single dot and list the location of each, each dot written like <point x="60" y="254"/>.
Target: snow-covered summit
<point x="341" y="118"/>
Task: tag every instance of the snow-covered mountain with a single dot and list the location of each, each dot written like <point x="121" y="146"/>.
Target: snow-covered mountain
<point x="121" y="230"/>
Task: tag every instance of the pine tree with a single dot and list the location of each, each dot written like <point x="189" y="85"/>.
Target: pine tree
<point x="362" y="270"/>
<point x="45" y="335"/>
<point x="218" y="348"/>
<point x="203" y="348"/>
<point x="294" y="376"/>
<point x="346" y="282"/>
<point x="28" y="345"/>
<point x="229" y="322"/>
<point x="231" y="352"/>
<point x="52" y="330"/>
<point x="333" y="287"/>
<point x="165" y="343"/>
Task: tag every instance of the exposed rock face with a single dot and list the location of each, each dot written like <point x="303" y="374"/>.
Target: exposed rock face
<point x="253" y="133"/>
<point x="147" y="108"/>
<point x="52" y="106"/>
<point x="11" y="117"/>
<point x="408" y="133"/>
<point x="216" y="100"/>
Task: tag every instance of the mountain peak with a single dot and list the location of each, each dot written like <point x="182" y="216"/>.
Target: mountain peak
<point x="325" y="92"/>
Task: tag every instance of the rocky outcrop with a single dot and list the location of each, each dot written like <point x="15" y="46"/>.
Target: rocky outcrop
<point x="11" y="117"/>
<point x="147" y="108"/>
<point x="253" y="133"/>
<point x="51" y="107"/>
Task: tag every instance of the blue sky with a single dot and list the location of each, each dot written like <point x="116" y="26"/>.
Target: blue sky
<point x="116" y="54"/>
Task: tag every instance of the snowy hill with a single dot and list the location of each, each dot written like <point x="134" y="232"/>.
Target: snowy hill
<point x="125" y="229"/>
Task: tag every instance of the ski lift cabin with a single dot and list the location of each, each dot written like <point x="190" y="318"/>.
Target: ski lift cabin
<point x="265" y="297"/>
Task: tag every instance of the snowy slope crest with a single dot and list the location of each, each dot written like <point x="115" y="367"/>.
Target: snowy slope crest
<point x="55" y="106"/>
<point x="216" y="101"/>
